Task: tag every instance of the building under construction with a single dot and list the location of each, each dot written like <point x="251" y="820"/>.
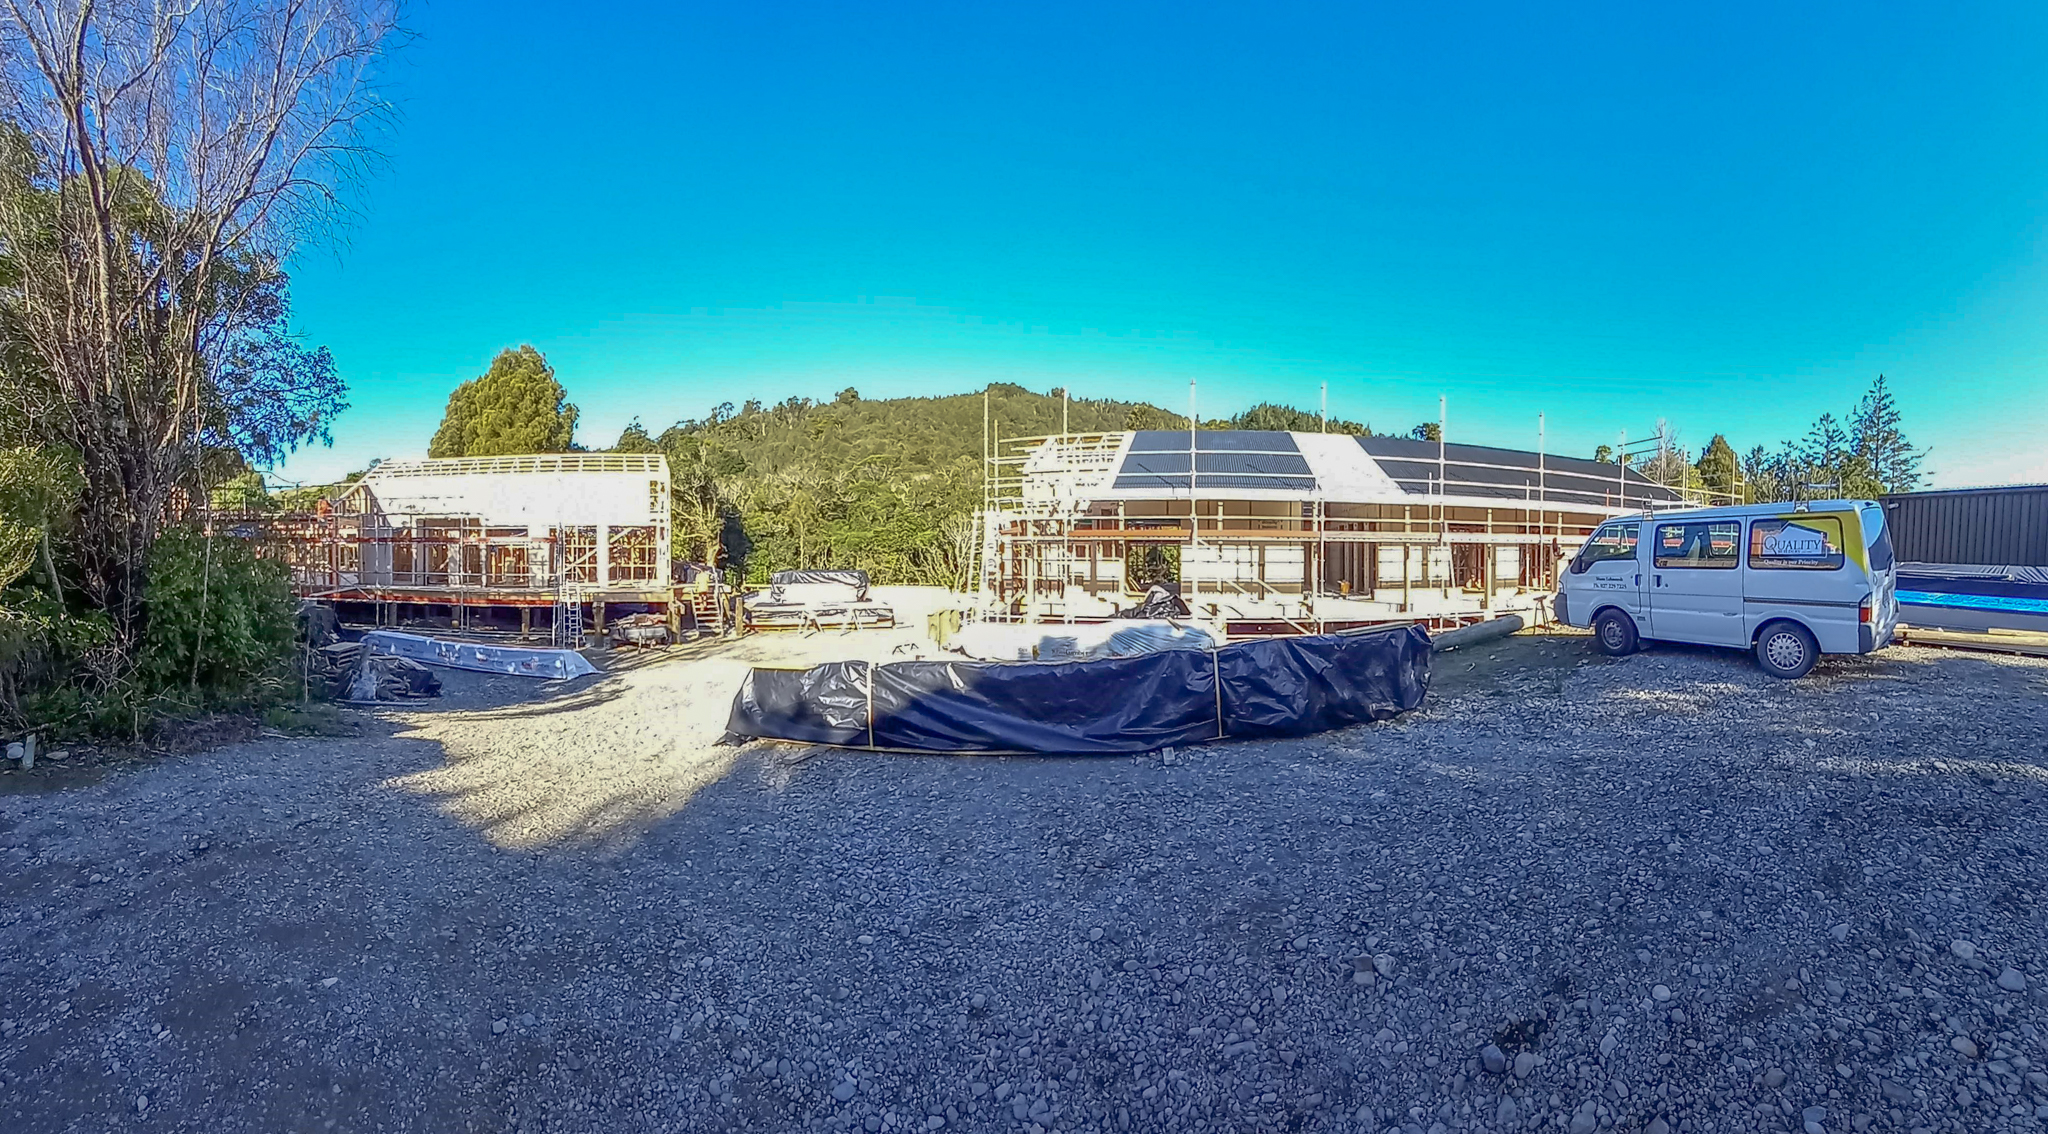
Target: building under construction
<point x="1269" y="532"/>
<point x="487" y="539"/>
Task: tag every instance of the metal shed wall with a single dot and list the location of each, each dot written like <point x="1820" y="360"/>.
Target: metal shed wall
<point x="1997" y="526"/>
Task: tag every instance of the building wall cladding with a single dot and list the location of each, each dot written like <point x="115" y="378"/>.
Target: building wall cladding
<point x="1993" y="526"/>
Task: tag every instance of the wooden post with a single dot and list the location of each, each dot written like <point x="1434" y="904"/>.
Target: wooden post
<point x="525" y="623"/>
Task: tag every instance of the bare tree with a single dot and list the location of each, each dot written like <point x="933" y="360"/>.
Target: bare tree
<point x="162" y="159"/>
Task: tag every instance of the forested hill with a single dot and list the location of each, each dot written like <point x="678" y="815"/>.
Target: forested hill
<point x="888" y="486"/>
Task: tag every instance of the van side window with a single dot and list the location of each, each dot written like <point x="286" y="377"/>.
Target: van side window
<point x="1710" y="545"/>
<point x="1615" y="541"/>
<point x="1811" y="543"/>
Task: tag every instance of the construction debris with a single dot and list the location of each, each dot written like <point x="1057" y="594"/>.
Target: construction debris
<point x="1162" y="600"/>
<point x="379" y="678"/>
<point x="638" y="630"/>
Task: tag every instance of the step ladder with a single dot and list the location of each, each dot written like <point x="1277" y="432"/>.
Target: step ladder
<point x="568" y="620"/>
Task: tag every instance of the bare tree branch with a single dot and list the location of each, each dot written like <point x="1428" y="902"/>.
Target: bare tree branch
<point x="162" y="160"/>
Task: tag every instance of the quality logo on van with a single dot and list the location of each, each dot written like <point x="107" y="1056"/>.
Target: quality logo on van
<point x="1795" y="541"/>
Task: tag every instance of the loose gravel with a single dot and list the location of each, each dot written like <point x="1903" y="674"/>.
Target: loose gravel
<point x="1657" y="894"/>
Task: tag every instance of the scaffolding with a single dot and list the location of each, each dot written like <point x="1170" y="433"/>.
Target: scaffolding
<point x="1257" y="551"/>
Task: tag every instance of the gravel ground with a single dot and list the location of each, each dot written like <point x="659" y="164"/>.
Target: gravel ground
<point x="1658" y="894"/>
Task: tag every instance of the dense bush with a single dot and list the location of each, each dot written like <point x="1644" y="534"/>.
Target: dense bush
<point x="224" y="606"/>
<point x="216" y="600"/>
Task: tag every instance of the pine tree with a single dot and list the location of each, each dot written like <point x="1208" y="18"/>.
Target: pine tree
<point x="1878" y="440"/>
<point x="1825" y="444"/>
<point x="1719" y="471"/>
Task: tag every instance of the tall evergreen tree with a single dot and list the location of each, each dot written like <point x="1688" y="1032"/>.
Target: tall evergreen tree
<point x="1880" y="441"/>
<point x="1720" y="472"/>
<point x="1825" y="444"/>
<point x="514" y="407"/>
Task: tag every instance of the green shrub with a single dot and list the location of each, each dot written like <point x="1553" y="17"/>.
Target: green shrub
<point x="232" y="609"/>
<point x="58" y="669"/>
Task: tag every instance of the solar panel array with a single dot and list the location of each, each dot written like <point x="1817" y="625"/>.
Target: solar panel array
<point x="1509" y="474"/>
<point x="1224" y="458"/>
<point x="1157" y="461"/>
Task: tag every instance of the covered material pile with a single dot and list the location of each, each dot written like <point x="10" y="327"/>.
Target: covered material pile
<point x="1281" y="687"/>
<point x="810" y="600"/>
<point x="1162" y="600"/>
<point x="1087" y="641"/>
<point x="520" y="661"/>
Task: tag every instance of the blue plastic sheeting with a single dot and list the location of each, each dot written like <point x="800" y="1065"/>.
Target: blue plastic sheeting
<point x="1974" y="602"/>
<point x="1283" y="687"/>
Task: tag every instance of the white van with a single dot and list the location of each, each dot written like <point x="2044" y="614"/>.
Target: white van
<point x="1790" y="582"/>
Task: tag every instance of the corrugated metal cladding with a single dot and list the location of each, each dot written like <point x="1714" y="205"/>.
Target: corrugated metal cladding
<point x="1998" y="526"/>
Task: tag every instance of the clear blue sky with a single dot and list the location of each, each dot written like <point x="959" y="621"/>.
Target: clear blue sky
<point x="1732" y="218"/>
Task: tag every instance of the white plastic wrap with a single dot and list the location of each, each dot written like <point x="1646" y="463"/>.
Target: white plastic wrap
<point x="520" y="661"/>
<point x="1120" y="638"/>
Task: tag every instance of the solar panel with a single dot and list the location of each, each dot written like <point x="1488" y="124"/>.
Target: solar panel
<point x="1225" y="459"/>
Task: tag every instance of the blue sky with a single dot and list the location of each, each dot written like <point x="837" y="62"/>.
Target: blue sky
<point x="1732" y="219"/>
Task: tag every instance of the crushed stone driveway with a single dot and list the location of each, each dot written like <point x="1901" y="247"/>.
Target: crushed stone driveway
<point x="1661" y="893"/>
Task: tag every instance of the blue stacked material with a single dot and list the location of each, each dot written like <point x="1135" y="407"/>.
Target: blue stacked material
<point x="1970" y="597"/>
<point x="1964" y="579"/>
<point x="1282" y="687"/>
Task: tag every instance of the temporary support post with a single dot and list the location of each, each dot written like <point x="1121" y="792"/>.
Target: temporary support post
<point x="1443" y="487"/>
<point x="1188" y="560"/>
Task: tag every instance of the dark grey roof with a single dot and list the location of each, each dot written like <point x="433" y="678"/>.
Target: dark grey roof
<point x="1224" y="458"/>
<point x="1510" y="474"/>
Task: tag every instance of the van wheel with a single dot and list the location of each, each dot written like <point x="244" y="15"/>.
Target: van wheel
<point x="1615" y="633"/>
<point x="1786" y="649"/>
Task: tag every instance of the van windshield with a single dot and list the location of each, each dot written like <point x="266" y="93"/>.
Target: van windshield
<point x="1614" y="541"/>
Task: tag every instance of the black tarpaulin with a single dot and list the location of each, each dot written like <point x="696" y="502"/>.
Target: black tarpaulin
<point x="1283" y="687"/>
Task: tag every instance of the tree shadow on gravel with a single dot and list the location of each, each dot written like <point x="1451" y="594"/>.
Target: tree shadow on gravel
<point x="596" y="764"/>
